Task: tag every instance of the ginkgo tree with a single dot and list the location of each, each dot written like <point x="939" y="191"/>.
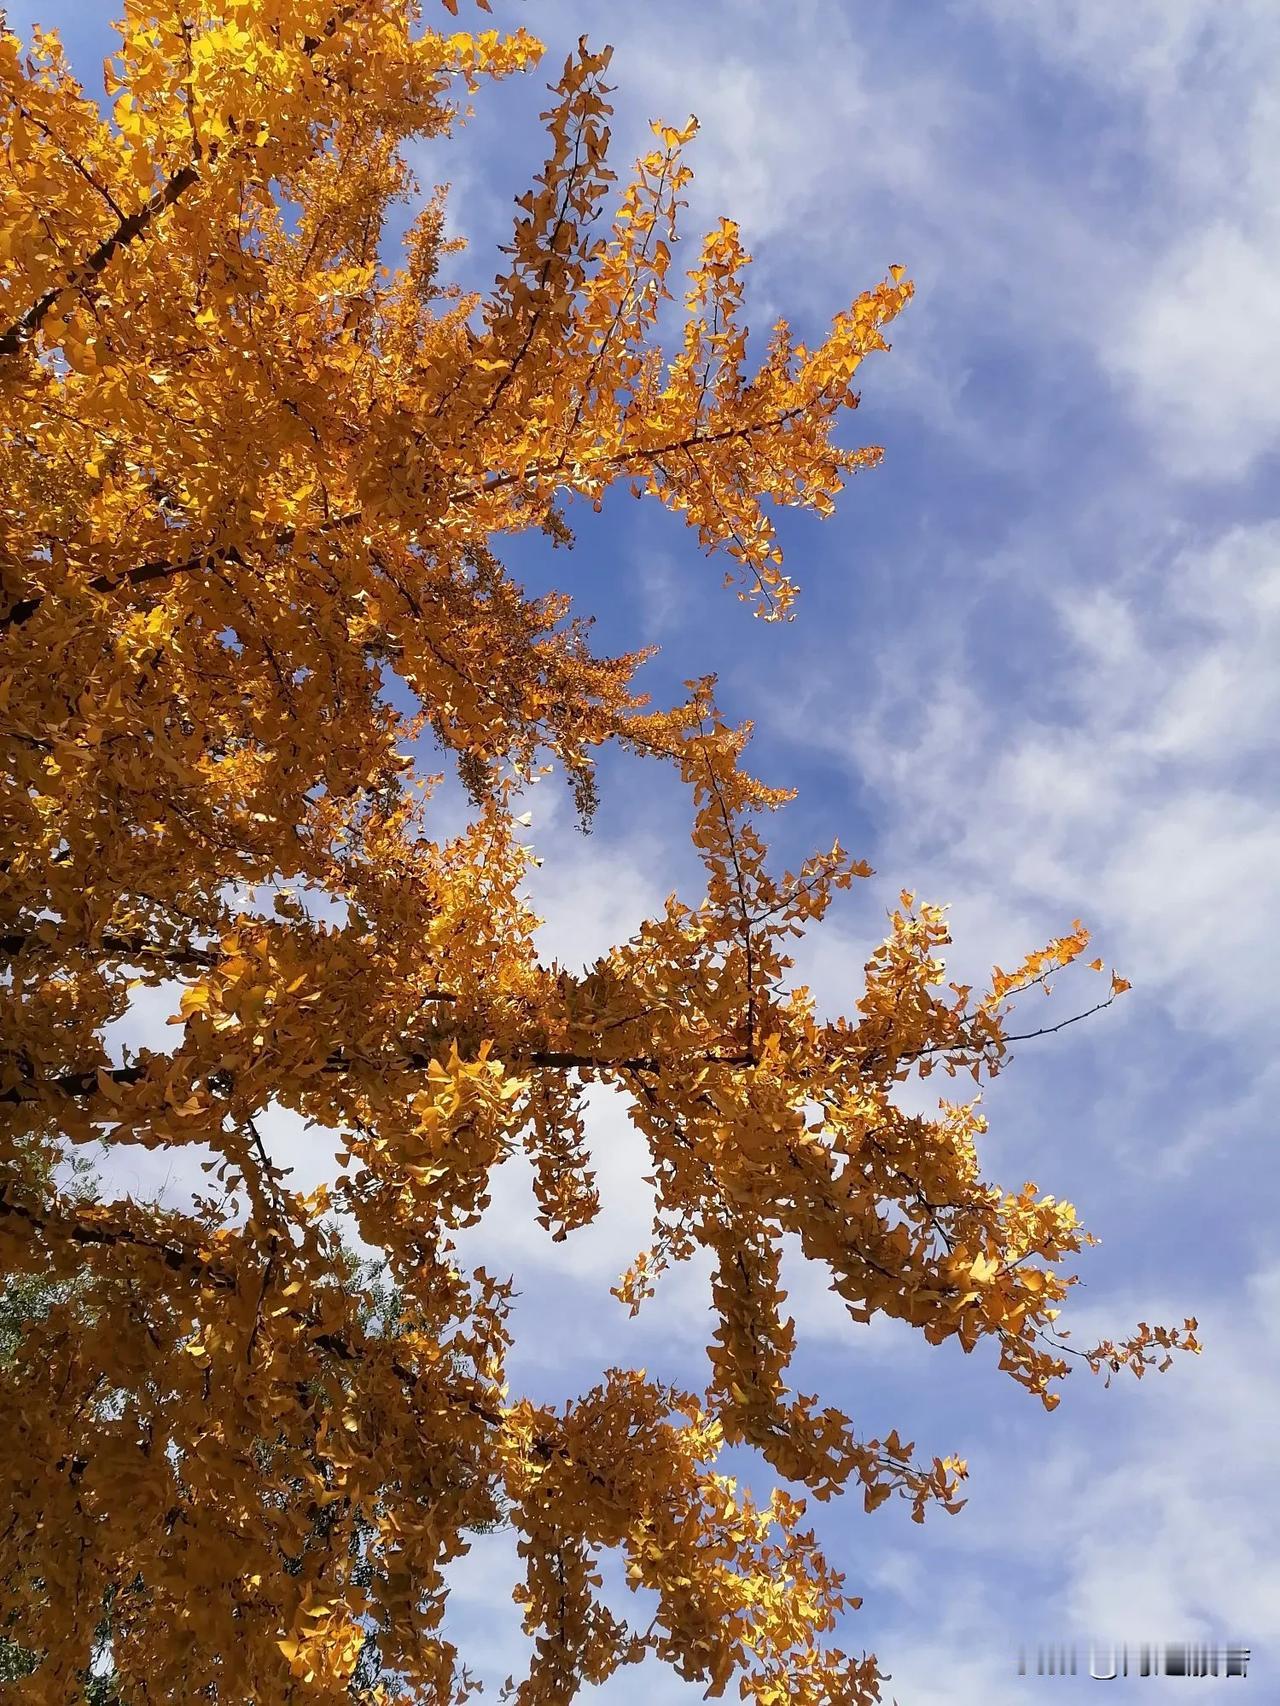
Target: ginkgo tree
<point x="257" y="466"/>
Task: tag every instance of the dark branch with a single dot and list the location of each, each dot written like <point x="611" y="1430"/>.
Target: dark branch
<point x="127" y="231"/>
<point x="145" y="573"/>
<point x="1016" y="1037"/>
<point x="619" y="458"/>
<point x="88" y="1084"/>
<point x="180" y="954"/>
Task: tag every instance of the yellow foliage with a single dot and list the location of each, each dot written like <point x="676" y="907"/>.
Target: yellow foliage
<point x="252" y="481"/>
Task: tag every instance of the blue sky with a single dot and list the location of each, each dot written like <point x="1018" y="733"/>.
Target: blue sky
<point x="1032" y="674"/>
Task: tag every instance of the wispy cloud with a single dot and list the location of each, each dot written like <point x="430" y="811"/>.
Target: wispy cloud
<point x="1129" y="779"/>
<point x="1192" y="327"/>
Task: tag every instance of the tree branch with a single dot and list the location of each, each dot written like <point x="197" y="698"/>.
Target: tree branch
<point x="179" y="954"/>
<point x="87" y="1084"/>
<point x="127" y="231"/>
<point x="144" y="573"/>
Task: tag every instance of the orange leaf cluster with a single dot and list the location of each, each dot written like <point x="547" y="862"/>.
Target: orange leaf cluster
<point x="253" y="486"/>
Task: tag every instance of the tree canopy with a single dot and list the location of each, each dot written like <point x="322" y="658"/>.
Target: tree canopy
<point x="256" y="470"/>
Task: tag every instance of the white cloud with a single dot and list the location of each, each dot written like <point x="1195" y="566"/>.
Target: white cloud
<point x="572" y="1279"/>
<point x="1170" y="1532"/>
<point x="785" y="114"/>
<point x="1188" y="323"/>
<point x="840" y="149"/>
<point x="1154" y="1524"/>
<point x="1142" y="805"/>
<point x="1200" y="346"/>
<point x="591" y="894"/>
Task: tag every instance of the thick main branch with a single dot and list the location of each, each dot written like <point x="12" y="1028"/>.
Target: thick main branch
<point x="127" y="231"/>
<point x="88" y="1084"/>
